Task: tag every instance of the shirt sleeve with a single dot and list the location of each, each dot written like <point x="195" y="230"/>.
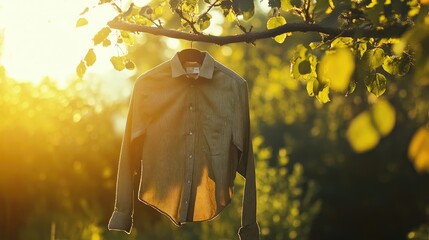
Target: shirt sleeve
<point x="249" y="229"/>
<point x="122" y="217"/>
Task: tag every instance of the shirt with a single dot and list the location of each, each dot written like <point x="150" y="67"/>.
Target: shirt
<point x="187" y="135"/>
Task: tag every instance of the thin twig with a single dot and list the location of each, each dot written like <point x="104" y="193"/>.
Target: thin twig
<point x="214" y="4"/>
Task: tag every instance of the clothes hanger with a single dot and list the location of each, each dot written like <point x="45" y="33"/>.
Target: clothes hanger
<point x="191" y="55"/>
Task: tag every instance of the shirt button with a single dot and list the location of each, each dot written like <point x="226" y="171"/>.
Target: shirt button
<point x="186" y="202"/>
<point x="189" y="181"/>
<point x="190" y="156"/>
<point x="191" y="133"/>
<point x="191" y="108"/>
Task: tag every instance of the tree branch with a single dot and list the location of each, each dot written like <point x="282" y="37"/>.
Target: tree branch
<point x="388" y="32"/>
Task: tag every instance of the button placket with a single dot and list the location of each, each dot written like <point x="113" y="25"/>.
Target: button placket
<point x="190" y="157"/>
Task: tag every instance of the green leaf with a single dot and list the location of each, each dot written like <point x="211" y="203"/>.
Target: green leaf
<point x="383" y="116"/>
<point x="376" y="84"/>
<point x="397" y="66"/>
<point x="118" y="63"/>
<point x="361" y="134"/>
<point x="101" y="35"/>
<point x="81" y="22"/>
<point x="337" y="76"/>
<point x="90" y="57"/>
<point x="81" y="69"/>
<point x="274" y="22"/>
<point x="372" y="59"/>
<point x="204" y="21"/>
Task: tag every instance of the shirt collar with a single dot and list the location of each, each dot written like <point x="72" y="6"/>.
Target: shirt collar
<point x="206" y="69"/>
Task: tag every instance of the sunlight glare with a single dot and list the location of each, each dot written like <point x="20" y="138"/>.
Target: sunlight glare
<point x="41" y="40"/>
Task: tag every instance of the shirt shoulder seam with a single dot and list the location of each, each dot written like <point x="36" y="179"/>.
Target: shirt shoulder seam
<point x="229" y="72"/>
<point x="155" y="70"/>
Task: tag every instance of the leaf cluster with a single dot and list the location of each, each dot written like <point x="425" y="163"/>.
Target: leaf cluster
<point x="345" y="63"/>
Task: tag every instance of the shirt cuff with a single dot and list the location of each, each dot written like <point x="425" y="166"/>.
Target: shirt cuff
<point x="121" y="222"/>
<point x="249" y="232"/>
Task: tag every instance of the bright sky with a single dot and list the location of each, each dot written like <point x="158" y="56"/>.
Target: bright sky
<point x="40" y="38"/>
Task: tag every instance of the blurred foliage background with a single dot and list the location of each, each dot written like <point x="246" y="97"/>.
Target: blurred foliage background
<point x="59" y="148"/>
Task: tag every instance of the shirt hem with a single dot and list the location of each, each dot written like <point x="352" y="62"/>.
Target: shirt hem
<point x="178" y="223"/>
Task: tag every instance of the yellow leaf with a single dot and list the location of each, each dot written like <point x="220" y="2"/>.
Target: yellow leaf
<point x="101" y="35"/>
<point x="274" y="22"/>
<point x="285" y="5"/>
<point x="311" y="86"/>
<point x="129" y="65"/>
<point x="127" y="38"/>
<point x="422" y="161"/>
<point x="158" y="10"/>
<point x="81" y="69"/>
<point x="362" y="48"/>
<point x="420" y="138"/>
<point x="81" y="22"/>
<point x="323" y="95"/>
<point x="372" y="4"/>
<point x="106" y="42"/>
<point x="361" y="134"/>
<point x="118" y="63"/>
<point x="342" y="42"/>
<point x="384" y="117"/>
<point x="418" y="151"/>
<point x="336" y="68"/>
<point x="376" y="84"/>
<point x="90" y="57"/>
<point x="230" y="17"/>
<point x="248" y="14"/>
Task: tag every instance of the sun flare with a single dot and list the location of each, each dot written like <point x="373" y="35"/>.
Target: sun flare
<point x="41" y="40"/>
